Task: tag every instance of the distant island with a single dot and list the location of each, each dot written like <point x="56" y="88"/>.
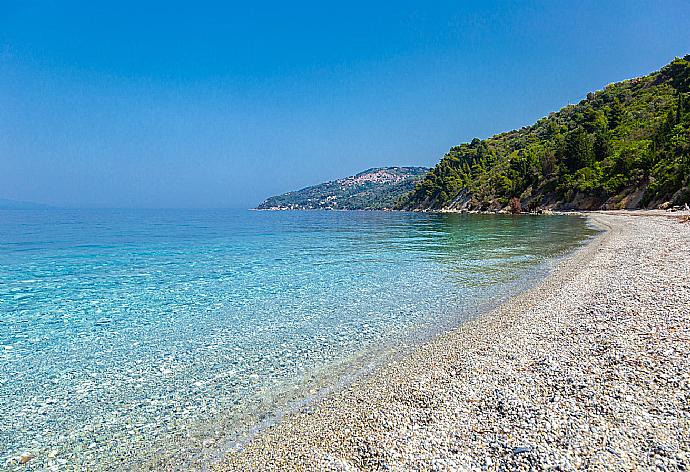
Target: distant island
<point x="6" y="204"/>
<point x="374" y="189"/>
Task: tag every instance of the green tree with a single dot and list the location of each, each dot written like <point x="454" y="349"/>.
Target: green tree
<point x="579" y="149"/>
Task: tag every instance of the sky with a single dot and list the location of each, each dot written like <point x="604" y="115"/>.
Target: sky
<point x="222" y="104"/>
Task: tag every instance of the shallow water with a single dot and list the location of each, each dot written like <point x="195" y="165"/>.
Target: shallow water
<point x="135" y="338"/>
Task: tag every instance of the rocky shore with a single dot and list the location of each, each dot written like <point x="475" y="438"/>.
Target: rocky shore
<point x="588" y="370"/>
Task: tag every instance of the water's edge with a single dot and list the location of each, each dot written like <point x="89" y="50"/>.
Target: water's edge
<point x="168" y="339"/>
<point x="358" y="367"/>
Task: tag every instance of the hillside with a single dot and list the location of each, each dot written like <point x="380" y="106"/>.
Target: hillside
<point x="627" y="146"/>
<point x="373" y="189"/>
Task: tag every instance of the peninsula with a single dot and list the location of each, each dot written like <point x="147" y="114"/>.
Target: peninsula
<point x="374" y="189"/>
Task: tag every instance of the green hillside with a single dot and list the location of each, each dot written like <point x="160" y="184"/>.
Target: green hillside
<point x="627" y="146"/>
<point x="373" y="189"/>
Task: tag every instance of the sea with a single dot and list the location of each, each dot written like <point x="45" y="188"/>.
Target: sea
<point x="150" y="339"/>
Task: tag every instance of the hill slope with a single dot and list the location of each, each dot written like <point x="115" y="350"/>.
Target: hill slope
<point x="627" y="146"/>
<point x="373" y="189"/>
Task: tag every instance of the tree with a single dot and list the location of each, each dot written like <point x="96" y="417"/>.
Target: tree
<point x="615" y="114"/>
<point x="579" y="149"/>
<point x="602" y="145"/>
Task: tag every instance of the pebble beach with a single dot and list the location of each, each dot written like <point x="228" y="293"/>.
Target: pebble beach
<point x="589" y="369"/>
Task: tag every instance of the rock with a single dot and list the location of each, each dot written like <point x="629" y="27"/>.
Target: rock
<point x="26" y="457"/>
<point x="207" y="443"/>
<point x="521" y="449"/>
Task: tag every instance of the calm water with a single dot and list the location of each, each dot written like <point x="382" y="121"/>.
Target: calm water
<point x="128" y="338"/>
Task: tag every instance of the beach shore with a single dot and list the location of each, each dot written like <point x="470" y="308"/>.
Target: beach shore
<point x="588" y="369"/>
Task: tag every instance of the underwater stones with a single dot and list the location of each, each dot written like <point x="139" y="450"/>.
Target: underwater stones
<point x="589" y="370"/>
<point x="25" y="457"/>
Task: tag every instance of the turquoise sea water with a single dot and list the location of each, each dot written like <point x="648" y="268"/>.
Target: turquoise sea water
<point x="134" y="339"/>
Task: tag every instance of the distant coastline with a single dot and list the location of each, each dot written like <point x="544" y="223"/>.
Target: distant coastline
<point x="379" y="188"/>
<point x="7" y="204"/>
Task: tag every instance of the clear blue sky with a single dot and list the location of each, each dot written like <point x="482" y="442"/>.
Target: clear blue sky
<point x="199" y="104"/>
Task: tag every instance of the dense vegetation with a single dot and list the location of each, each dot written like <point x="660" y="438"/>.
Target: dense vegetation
<point x="373" y="189"/>
<point x="626" y="146"/>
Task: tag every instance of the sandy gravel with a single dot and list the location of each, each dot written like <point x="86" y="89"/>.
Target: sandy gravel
<point x="588" y="370"/>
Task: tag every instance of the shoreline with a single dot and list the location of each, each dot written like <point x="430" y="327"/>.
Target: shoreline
<point x="680" y="213"/>
<point x="359" y="366"/>
<point x="205" y="437"/>
<point x="434" y="408"/>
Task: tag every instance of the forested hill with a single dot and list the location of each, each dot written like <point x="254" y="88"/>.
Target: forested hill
<point x="627" y="146"/>
<point x="374" y="189"/>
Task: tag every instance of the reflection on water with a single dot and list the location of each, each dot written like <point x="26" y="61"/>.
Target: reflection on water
<point x="498" y="246"/>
